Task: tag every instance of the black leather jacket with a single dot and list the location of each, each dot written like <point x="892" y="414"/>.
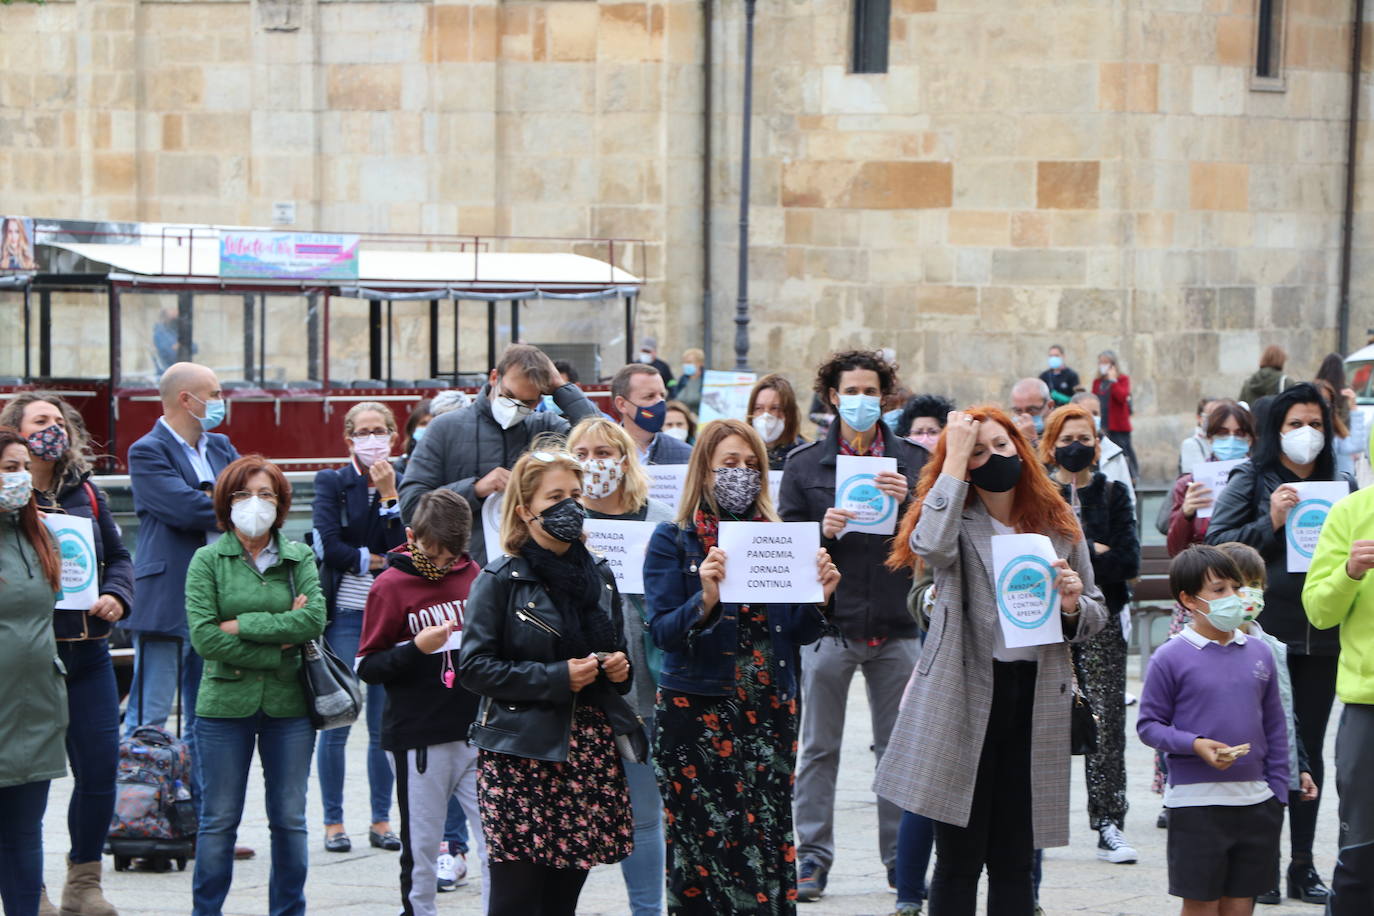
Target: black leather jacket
<point x="510" y="659"/>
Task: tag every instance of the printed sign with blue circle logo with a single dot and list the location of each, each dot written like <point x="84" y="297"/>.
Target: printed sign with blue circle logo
<point x="1026" y="595"/>
<point x="872" y="507"/>
<point x="80" y="577"/>
<point x="1305" y="523"/>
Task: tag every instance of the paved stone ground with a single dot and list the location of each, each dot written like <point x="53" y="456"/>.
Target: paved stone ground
<point x="365" y="881"/>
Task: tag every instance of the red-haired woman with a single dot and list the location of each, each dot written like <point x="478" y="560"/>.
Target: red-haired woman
<point x="981" y="723"/>
<point x="33" y="718"/>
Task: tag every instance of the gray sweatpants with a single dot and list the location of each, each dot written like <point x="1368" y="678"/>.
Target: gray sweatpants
<point x="425" y="779"/>
<point x="1353" y="882"/>
<point x="826" y="673"/>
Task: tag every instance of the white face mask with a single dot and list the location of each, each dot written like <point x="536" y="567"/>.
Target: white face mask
<point x="1302" y="445"/>
<point x="677" y="432"/>
<point x="768" y="426"/>
<point x="253" y="516"/>
<point x="507" y="412"/>
<point x="645" y="356"/>
<point x="1104" y="368"/>
<point x="601" y="476"/>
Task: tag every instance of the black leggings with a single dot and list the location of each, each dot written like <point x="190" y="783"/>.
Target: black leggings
<point x="1314" y="689"/>
<point x="527" y="889"/>
<point x="999" y="834"/>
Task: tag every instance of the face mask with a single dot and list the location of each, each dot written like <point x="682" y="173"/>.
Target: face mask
<point x="998" y="474"/>
<point x="768" y="426"/>
<point x="1097" y="423"/>
<point x="650" y="419"/>
<point x="1303" y="445"/>
<point x="418" y="434"/>
<point x="425" y="566"/>
<point x="1104" y="368"/>
<point x="1253" y="598"/>
<point x="689" y="369"/>
<point x="926" y="442"/>
<point x="1226" y="614"/>
<point x="507" y="412"/>
<point x="551" y="407"/>
<point x="677" y="432"/>
<point x="601" y="476"/>
<point x="1229" y="448"/>
<point x="253" y="516"/>
<point x="1074" y="457"/>
<point x="645" y="356"/>
<point x="1056" y="362"/>
<point x="736" y="489"/>
<point x="1039" y="423"/>
<point x="15" y="489"/>
<point x="49" y="444"/>
<point x="860" y="411"/>
<point x="214" y="413"/>
<point x="563" y="520"/>
<point x="371" y="449"/>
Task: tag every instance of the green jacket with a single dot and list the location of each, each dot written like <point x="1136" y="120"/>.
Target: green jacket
<point x="251" y="671"/>
<point x="1332" y="598"/>
<point x="33" y="705"/>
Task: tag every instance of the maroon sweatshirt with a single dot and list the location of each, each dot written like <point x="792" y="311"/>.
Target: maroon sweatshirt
<point x="420" y="710"/>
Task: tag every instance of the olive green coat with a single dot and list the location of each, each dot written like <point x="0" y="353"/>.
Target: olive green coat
<point x="250" y="671"/>
<point x="33" y="705"/>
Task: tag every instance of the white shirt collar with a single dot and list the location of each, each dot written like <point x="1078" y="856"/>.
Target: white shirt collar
<point x="1199" y="641"/>
<point x="198" y="448"/>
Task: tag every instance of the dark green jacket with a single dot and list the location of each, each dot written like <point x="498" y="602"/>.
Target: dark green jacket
<point x="251" y="671"/>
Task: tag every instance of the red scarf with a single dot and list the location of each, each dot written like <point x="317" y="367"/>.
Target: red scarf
<point x="708" y="528"/>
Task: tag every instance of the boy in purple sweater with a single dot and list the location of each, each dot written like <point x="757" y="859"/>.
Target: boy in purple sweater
<point x="1209" y="689"/>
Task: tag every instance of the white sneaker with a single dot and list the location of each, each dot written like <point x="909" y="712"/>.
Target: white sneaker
<point x="1112" y="846"/>
<point x="451" y="871"/>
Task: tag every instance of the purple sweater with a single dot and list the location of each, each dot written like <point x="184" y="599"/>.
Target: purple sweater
<point x="1226" y="693"/>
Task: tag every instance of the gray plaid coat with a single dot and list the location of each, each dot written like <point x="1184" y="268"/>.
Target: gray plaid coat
<point x="932" y="756"/>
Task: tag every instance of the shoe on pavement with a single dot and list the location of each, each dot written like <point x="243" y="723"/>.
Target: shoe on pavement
<point x="337" y="842"/>
<point x="243" y="852"/>
<point x="1162" y="822"/>
<point x="1306" y="885"/>
<point x="811" y="880"/>
<point x="1112" y="846"/>
<point x="82" y="896"/>
<point x="1270" y="898"/>
<point x="452" y="871"/>
<point x="892" y="880"/>
<point x="45" y="907"/>
<point x="907" y="909"/>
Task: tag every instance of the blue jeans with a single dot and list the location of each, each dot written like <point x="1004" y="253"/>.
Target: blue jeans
<point x="92" y="744"/>
<point x="644" y="870"/>
<point x="284" y="747"/>
<point x="155" y="687"/>
<point x="21" y="846"/>
<point x="342" y="635"/>
<point x="915" y="839"/>
<point x="456" y="828"/>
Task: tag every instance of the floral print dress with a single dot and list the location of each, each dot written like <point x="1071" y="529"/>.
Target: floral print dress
<point x="574" y="814"/>
<point x="725" y="767"/>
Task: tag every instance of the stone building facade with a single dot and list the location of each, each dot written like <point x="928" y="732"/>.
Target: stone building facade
<point x="1094" y="173"/>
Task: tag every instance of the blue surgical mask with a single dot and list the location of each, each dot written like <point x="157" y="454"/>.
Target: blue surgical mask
<point x="689" y="369"/>
<point x="1226" y="614"/>
<point x="214" y="413"/>
<point x="860" y="411"/>
<point x="551" y="407"/>
<point x="1229" y="448"/>
<point x="1097" y="423"/>
<point x="418" y="434"/>
<point x="1039" y="423"/>
<point x="1056" y="362"/>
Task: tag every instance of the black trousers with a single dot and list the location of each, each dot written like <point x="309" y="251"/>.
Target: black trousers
<point x="1314" y="690"/>
<point x="527" y="889"/>
<point x="999" y="834"/>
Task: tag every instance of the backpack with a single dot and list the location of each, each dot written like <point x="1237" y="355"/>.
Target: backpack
<point x="153" y="788"/>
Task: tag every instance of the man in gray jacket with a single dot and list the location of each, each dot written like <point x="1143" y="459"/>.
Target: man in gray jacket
<point x="471" y="450"/>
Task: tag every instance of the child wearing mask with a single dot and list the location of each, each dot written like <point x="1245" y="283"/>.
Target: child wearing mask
<point x="412" y="630"/>
<point x="1211" y="702"/>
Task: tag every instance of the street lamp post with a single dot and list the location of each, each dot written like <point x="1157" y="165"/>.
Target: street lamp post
<point x="742" y="302"/>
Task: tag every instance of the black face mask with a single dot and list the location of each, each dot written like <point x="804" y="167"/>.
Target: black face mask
<point x="998" y="474"/>
<point x="563" y="520"/>
<point x="1074" y="457"/>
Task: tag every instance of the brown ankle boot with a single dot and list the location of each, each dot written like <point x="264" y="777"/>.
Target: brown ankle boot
<point x="45" y="907"/>
<point x="82" y="896"/>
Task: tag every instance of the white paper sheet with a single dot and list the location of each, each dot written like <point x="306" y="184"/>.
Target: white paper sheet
<point x="1214" y="476"/>
<point x="1027" y="599"/>
<point x="666" y="482"/>
<point x="855" y="491"/>
<point x="1305" y="520"/>
<point x="491" y="524"/>
<point x="623" y="544"/>
<point x="80" y="570"/>
<point x="775" y="485"/>
<point x="770" y="562"/>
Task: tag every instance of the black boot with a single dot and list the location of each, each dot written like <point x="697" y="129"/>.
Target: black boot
<point x="1306" y="885"/>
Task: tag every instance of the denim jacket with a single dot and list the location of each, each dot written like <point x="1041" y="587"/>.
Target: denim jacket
<point x="699" y="654"/>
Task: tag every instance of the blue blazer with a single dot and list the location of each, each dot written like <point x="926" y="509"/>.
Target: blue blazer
<point x="346" y="522"/>
<point x="174" y="517"/>
<point x="699" y="655"/>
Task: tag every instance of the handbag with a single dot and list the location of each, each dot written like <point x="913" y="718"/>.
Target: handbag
<point x="333" y="694"/>
<point x="1082" y="716"/>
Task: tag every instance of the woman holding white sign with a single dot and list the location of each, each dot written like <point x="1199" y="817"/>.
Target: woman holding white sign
<point x="982" y="740"/>
<point x="1293" y="447"/>
<point x="1229" y="432"/>
<point x="615" y="488"/>
<point x="726" y="725"/>
<point x="61" y="466"/>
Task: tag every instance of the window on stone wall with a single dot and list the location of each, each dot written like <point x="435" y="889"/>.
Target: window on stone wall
<point x="871" y="26"/>
<point x="1269" y="39"/>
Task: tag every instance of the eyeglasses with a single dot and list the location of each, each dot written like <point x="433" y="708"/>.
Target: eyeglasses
<point x="266" y="496"/>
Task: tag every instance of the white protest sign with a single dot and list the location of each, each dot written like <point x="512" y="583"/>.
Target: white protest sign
<point x="666" y="482"/>
<point x="1214" y="476"/>
<point x="623" y="545"/>
<point x="856" y="491"/>
<point x="775" y="485"/>
<point x="1027" y="599"/>
<point x="80" y="571"/>
<point x="770" y="563"/>
<point x="725" y="395"/>
<point x="491" y="524"/>
<point x="1305" y="520"/>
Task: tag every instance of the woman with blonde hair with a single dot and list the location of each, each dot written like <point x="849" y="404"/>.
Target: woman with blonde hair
<point x="725" y="741"/>
<point x="544" y="647"/>
<point x="615" y="487"/>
